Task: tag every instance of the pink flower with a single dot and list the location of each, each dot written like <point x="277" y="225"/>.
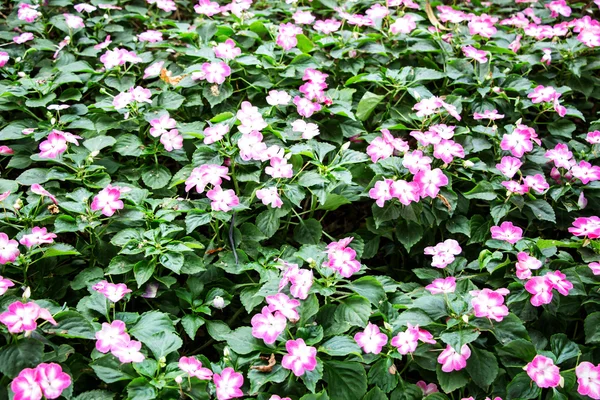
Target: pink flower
<point x="113" y="292"/>
<point x="483" y="25"/>
<point x="215" y="133"/>
<point x="4" y="57"/>
<point x="278" y="98"/>
<point x="381" y="192"/>
<point x="268" y="326"/>
<point x="489" y="303"/>
<point x="73" y="21"/>
<point x="103" y="45"/>
<point x="151" y="36"/>
<point x="276" y="397"/>
<point x="589" y="227"/>
<point x="122" y="100"/>
<point x="301" y="281"/>
<point x="287" y="36"/>
<point x="452" y="360"/>
<point x="279" y="168"/>
<point x="560" y="155"/>
<point x="23" y="317"/>
<point x="9" y="249"/>
<point x="416" y="162"/>
<point x="300" y="357"/>
<point x="193" y="367"/>
<point x="519" y="141"/>
<point x="84" y="8"/>
<point x="427" y="107"/>
<point x="492" y="115"/>
<point x="588" y="380"/>
<point x="216" y="72"/>
<point x="559" y="282"/>
<point x="52" y="380"/>
<point x="228" y="384"/>
<point x="541" y="289"/>
<point x="305" y="107"/>
<point x="117" y="56"/>
<point x="172" y="140"/>
<point x="110" y="336"/>
<point x="227" y="50"/>
<point x="153" y="70"/>
<point x="595" y="267"/>
<point x="443" y="253"/>
<point x="442" y="285"/>
<point x="371" y="339"/>
<point x="515" y="45"/>
<point x="308" y="129"/>
<point x="509" y="166"/>
<point x="543" y="94"/>
<point x="515" y="187"/>
<point x="327" y="26"/>
<point x="406" y="342"/>
<point x="5" y="284"/>
<point x="507" y="232"/>
<point x="53" y="146"/>
<point x="427" y="388"/>
<point x="141" y="95"/>
<point x="473" y="53"/>
<point x="222" y="200"/>
<point x="430" y="182"/>
<point x="282" y="303"/>
<point x="37" y="236"/>
<point x="128" y="351"/>
<point x="526" y="264"/>
<point x="558" y="7"/>
<point x="446" y="150"/>
<point x="23" y="37"/>
<point x="404" y="25"/>
<point x="25" y="386"/>
<point x="405" y="192"/>
<point x="28" y="12"/>
<point x="251" y="120"/>
<point x="161" y="125"/>
<point x="6" y="151"/>
<point x="593" y="137"/>
<point x="206" y="174"/>
<point x="543" y="372"/>
<point x="303" y="17"/>
<point x="342" y="258"/>
<point x="537" y="182"/>
<point x="207" y="7"/>
<point x="586" y="172"/>
<point x="269" y="197"/>
<point x="39" y="190"/>
<point x="107" y="201"/>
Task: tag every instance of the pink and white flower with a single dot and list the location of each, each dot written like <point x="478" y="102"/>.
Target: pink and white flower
<point x="489" y="303"/>
<point x="37" y="236"/>
<point x="128" y="351"/>
<point x="5" y="284"/>
<point x="267" y="325"/>
<point x="110" y="336"/>
<point x="586" y="226"/>
<point x="9" y="249"/>
<point x="430" y="182"/>
<point x="215" y="133"/>
<point x="427" y="388"/>
<point x="161" y="125"/>
<point x="287" y="36"/>
<point x="108" y="201"/>
<point x="300" y="357"/>
<point x="541" y="289"/>
<point x="442" y="285"/>
<point x="474" y="54"/>
<point x="452" y="360"/>
<point x="371" y="339"/>
<point x="586" y="172"/>
<point x="543" y="372"/>
<point x="23" y="37"/>
<point x="52" y="379"/>
<point x="526" y="264"/>
<point x="279" y="168"/>
<point x="193" y="367"/>
<point x="54" y="145"/>
<point x="443" y="253"/>
<point x="588" y="380"/>
<point x="404" y="25"/>
<point x="172" y="140"/>
<point x="206" y="174"/>
<point x="282" y="303"/>
<point x="381" y="192"/>
<point x="39" y="190"/>
<point x="279" y="98"/>
<point x="222" y="200"/>
<point x="342" y="258"/>
<point x="228" y="383"/>
<point x="307" y="129"/>
<point x="519" y="141"/>
<point x="25" y="386"/>
<point x="509" y="166"/>
<point x="113" y="292"/>
<point x="216" y="72"/>
<point x="507" y="232"/>
<point x="21" y="317"/>
<point x="406" y="342"/>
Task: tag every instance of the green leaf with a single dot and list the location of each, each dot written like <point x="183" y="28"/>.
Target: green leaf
<point x="170" y="100"/>
<point x="563" y="348"/>
<point x="521" y="387"/>
<point x="483" y="367"/>
<point x="542" y="210"/>
<point x="511" y="328"/>
<point x="459" y="338"/>
<point x="140" y="389"/>
<point x="26" y="353"/>
<point x="482" y="191"/>
<point x="354" y="310"/>
<point x="426" y="74"/>
<point x="95" y="395"/>
<point x="155" y="330"/>
<point x="259" y="379"/>
<point x="590" y="326"/>
<point x="340" y="346"/>
<point x="172" y="260"/>
<point x="268" y="222"/>
<point x="367" y="104"/>
<point x="375" y="394"/>
<point x="518" y="348"/>
<point x="345" y="380"/>
<point x="218" y="94"/>
<point x="369" y="287"/>
<point x="128" y="145"/>
<point x="156" y="176"/>
<point x="450" y="381"/>
<point x="242" y="342"/>
<point x="381" y="377"/>
<point x="98" y="143"/>
<point x="308" y="231"/>
<point x="143" y="271"/>
<point x="191" y="323"/>
<point x="310" y="378"/>
<point x="33" y="175"/>
<point x="60" y="249"/>
<point x="71" y="324"/>
<point x="196" y="219"/>
<point x="409" y="233"/>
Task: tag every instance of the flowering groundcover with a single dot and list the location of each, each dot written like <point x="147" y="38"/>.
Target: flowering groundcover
<point x="299" y="200"/>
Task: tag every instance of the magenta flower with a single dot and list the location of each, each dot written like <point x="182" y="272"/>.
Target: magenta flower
<point x="446" y="150"/>
<point x="483" y="25"/>
<point x="543" y="372"/>
<point x="519" y="141"/>
<point x="9" y="249"/>
<point x="113" y="292"/>
<point x="427" y="107"/>
<point x="543" y="94"/>
<point x="371" y="339"/>
<point x="193" y="367"/>
<point x="4" y="57"/>
<point x="586" y="172"/>
<point x="282" y="303"/>
<point x="427" y="388"/>
<point x="507" y="232"/>
<point x="300" y="357"/>
<point x="594" y="267"/>
<point x="430" y="182"/>
<point x="128" y="351"/>
<point x="381" y="192"/>
<point x="150" y="36"/>
<point x="558" y="7"/>
<point x="269" y="197"/>
<point x="287" y="36"/>
<point x="559" y="282"/>
<point x="107" y="201"/>
<point x="404" y="25"/>
<point x="586" y="226"/>
<point x="23" y="317"/>
<point x="251" y="119"/>
<point x="162" y="125"/>
<point x="268" y="326"/>
<point x="53" y="146"/>
<point x="526" y="264"/>
<point x="306" y="107"/>
<point x="207" y="7"/>
<point x="52" y="380"/>
<point x="509" y="166"/>
<point x="405" y="192"/>
<point x="489" y="303"/>
<point x="442" y="285"/>
<point x="227" y="50"/>
<point x="215" y="133"/>
<point x="110" y="336"/>
<point x="5" y="284"/>
<point x="28" y="12"/>
<point x="443" y="253"/>
<point x="216" y="72"/>
<point x="276" y="397"/>
<point x="23" y="37"/>
<point x="492" y="115"/>
<point x="593" y="137"/>
<point x="327" y="26"/>
<point x="37" y="236"/>
<point x="588" y="380"/>
<point x="452" y="360"/>
<point x="222" y="200"/>
<point x="206" y="174"/>
<point x="301" y="283"/>
<point x="73" y="21"/>
<point x="25" y="386"/>
<point x="39" y="190"/>
<point x="406" y="342"/>
<point x="279" y="168"/>
<point x="172" y="140"/>
<point x="342" y="258"/>
<point x="541" y="289"/>
<point x="415" y="162"/>
<point x="228" y="384"/>
<point x="474" y="54"/>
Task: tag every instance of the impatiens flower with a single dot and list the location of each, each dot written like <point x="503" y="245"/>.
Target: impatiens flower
<point x="269" y="197"/>
<point x="37" y="236"/>
<point x="586" y="172"/>
<point x="342" y="258"/>
<point x="282" y="303"/>
<point x="302" y="281"/>
<point x="595" y="267"/>
<point x="153" y="70"/>
<point x="250" y="118"/>
<point x="39" y="190"/>
<point x="543" y="94"/>
<point x="82" y="7"/>
<point x="53" y="146"/>
<point x="446" y="150"/>
<point x="23" y="316"/>
<point x="303" y="17"/>
<point x="227" y="50"/>
<point x="4" y="57"/>
<point x="113" y="292"/>
<point x="541" y="289"/>
<point x="536" y="182"/>
<point x="278" y="98"/>
<point x="206" y="174"/>
<point x="559" y="282"/>
<point x="279" y="168"/>
<point x="215" y="133"/>
<point x="287" y="36"/>
<point x="371" y="339"/>
<point x="327" y="26"/>
<point x="73" y="21"/>
<point x="515" y="45"/>
<point x="406" y="342"/>
<point x="452" y="360"/>
<point x="492" y="115"/>
<point x="228" y="384"/>
<point x="161" y="125"/>
<point x="150" y="36"/>
<point x="427" y="388"/>
<point x="110" y="335"/>
<point x="5" y="284"/>
<point x="430" y="182"/>
<point x="9" y="249"/>
<point x="405" y="192"/>
<point x="509" y="166"/>
<point x="207" y="7"/>
<point x="216" y="72"/>
<point x="404" y="25"/>
<point x="52" y="380"/>
<point x="427" y="107"/>
<point x="276" y="397"/>
<point x="381" y="192"/>
<point x="519" y="141"/>
<point x="489" y="303"/>
<point x="558" y="7"/>
<point x="543" y="372"/>
<point x="117" y="56"/>
<point x="193" y="367"/>
<point x="222" y="200"/>
<point x="267" y="325"/>
<point x="104" y="44"/>
<point x="23" y="37"/>
<point x="483" y="25"/>
<point x="526" y="264"/>
<point x="588" y="380"/>
<point x="28" y="12"/>
<point x="560" y="155"/>
<point x="507" y="232"/>
<point x="25" y="386"/>
<point x="423" y="335"/>
<point x="128" y="351"/>
<point x="300" y="357"/>
<point x="415" y="161"/>
<point x="442" y="285"/>
<point x="307" y="129"/>
<point x="107" y="201"/>
<point x="306" y="107"/>
<point x="586" y="226"/>
<point x="477" y="55"/>
<point x="172" y="140"/>
<point x="443" y="253"/>
<point x="593" y="137"/>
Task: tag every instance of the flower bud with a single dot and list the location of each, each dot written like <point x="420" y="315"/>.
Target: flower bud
<point x="27" y="293"/>
<point x="582" y="201"/>
<point x="468" y="164"/>
<point x="18" y="204"/>
<point x="346" y="145"/>
<point x="178" y="379"/>
<point x="218" y="303"/>
<point x="21" y="74"/>
<point x="465" y="319"/>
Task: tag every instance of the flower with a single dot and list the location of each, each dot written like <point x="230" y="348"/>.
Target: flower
<point x="306" y="107"/>
<point x="443" y="253"/>
<point x="492" y="115"/>
<point x="193" y="367"/>
<point x="206" y="174"/>
<point x="4" y="57"/>
<point x="268" y="326"/>
<point x="404" y="25"/>
<point x="25" y="386"/>
<point x="286" y="306"/>
<point x="327" y="26"/>
<point x="342" y="258"/>
<point x="595" y="267"/>
<point x="489" y="303"/>
<point x="507" y="232"/>
<point x="208" y="8"/>
<point x="53" y="146"/>
<point x="52" y="379"/>
<point x="473" y="53"/>
<point x="541" y="289"/>
<point x="222" y="200"/>
<point x="23" y="37"/>
<point x="406" y="342"/>
<point x="525" y="264"/>
<point x="519" y="141"/>
<point x="172" y="140"/>
<point x="287" y="36"/>
<point x="23" y="317"/>
<point x="251" y="119"/>
<point x="228" y="384"/>
<point x="73" y="21"/>
<point x="215" y="133"/>
<point x="216" y="72"/>
<point x="161" y="125"/>
<point x="427" y="388"/>
<point x="39" y="190"/>
<point x="509" y="166"/>
<point x="269" y="197"/>
<point x="151" y="36"/>
<point x="452" y="360"/>
<point x="279" y="168"/>
<point x="415" y="162"/>
<point x="442" y="285"/>
<point x="430" y="182"/>
<point x="371" y="339"/>
<point x="446" y="150"/>
<point x="586" y="226"/>
<point x="5" y="284"/>
<point x="28" y="12"/>
<point x="113" y="292"/>
<point x="586" y="172"/>
<point x="381" y="192"/>
<point x="107" y="201"/>
<point x="128" y="351"/>
<point x="37" y="236"/>
<point x="588" y="380"/>
<point x="110" y="336"/>
<point x="308" y="129"/>
<point x="9" y="249"/>
<point x="227" y="50"/>
<point x="543" y="372"/>
<point x="593" y="137"/>
<point x="278" y="98"/>
<point x="300" y="357"/>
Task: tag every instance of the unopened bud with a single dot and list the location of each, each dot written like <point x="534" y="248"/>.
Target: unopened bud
<point x="226" y="351"/>
<point x="465" y="319"/>
<point x="346" y="146"/>
<point x="53" y="121"/>
<point x="27" y="293"/>
<point x="468" y="164"/>
<point x="18" y="204"/>
<point x="218" y="302"/>
<point x="178" y="380"/>
<point x="21" y="74"/>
